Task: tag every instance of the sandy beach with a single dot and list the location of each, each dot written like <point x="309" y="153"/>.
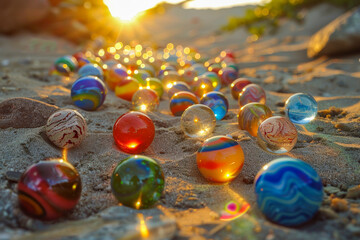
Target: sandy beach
<point x="330" y="143"/>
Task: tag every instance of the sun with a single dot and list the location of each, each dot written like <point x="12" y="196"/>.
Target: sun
<point x="128" y="11"/>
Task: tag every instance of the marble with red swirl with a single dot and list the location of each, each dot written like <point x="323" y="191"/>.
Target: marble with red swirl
<point x="277" y="135"/>
<point x="252" y="93"/>
<point x="66" y="128"/>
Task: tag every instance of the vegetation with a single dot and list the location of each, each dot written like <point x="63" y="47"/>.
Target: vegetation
<point x="265" y="18"/>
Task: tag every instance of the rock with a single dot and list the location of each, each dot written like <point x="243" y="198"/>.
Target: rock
<point x="340" y="36"/>
<point x="328" y="213"/>
<point x="13" y="176"/>
<point x="331" y="190"/>
<point x="339" y="205"/>
<point x="16" y="14"/>
<point x="355" y="230"/>
<point x="116" y="222"/>
<point x="24" y="113"/>
<point x="353" y="192"/>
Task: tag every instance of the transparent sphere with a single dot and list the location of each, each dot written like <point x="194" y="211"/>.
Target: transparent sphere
<point x="252" y="93"/>
<point x="198" y="121"/>
<point x="202" y="85"/>
<point x="277" y="135"/>
<point x="301" y="108"/>
<point x="145" y="100"/>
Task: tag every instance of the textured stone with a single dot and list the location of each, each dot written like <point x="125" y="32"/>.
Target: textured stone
<point x="116" y="222"/>
<point x="353" y="192"/>
<point x="340" y="36"/>
<point x="24" y="113"/>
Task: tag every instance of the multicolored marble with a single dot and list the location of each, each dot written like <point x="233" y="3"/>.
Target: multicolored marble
<point x="148" y="68"/>
<point x="215" y="80"/>
<point x="166" y="68"/>
<point x="180" y="101"/>
<point x="252" y="93"/>
<point x="126" y="88"/>
<point x="234" y="210"/>
<point x="141" y="76"/>
<point x="66" y="128"/>
<point x="137" y="182"/>
<point x="62" y="70"/>
<point x="169" y="78"/>
<point x="115" y="75"/>
<point x="217" y="102"/>
<point x="133" y="132"/>
<point x="220" y="159"/>
<point x="88" y="93"/>
<point x="228" y="75"/>
<point x="91" y="70"/>
<point x="178" y="87"/>
<point x="202" y="85"/>
<point x="156" y="85"/>
<point x="188" y="74"/>
<point x="301" y="108"/>
<point x="237" y="86"/>
<point x="277" y="135"/>
<point x="288" y="191"/>
<point x="49" y="189"/>
<point x="198" y="121"/>
<point x="145" y="100"/>
<point x="199" y="68"/>
<point x="251" y="116"/>
<point x="214" y="67"/>
<point x="81" y="59"/>
<point x="69" y="61"/>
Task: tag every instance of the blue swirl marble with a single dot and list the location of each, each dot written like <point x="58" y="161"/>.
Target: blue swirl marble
<point x="288" y="191"/>
<point x="88" y="93"/>
<point x="301" y="108"/>
<point x="217" y="102"/>
<point x="91" y="70"/>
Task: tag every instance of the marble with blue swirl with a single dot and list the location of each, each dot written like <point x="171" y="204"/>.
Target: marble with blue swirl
<point x="288" y="191"/>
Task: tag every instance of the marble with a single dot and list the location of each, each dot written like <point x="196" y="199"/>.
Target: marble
<point x="198" y="121"/>
<point x="301" y="108"/>
<point x="251" y="116"/>
<point x="288" y="191"/>
<point x="180" y="101"/>
<point x="127" y="88"/>
<point x="145" y="100"/>
<point x="237" y="86"/>
<point x="252" y="93"/>
<point x="217" y="102"/>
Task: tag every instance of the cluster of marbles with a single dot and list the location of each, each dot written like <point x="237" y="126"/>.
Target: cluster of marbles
<point x="66" y="128"/>
<point x="137" y="182"/>
<point x="198" y="121"/>
<point x="220" y="159"/>
<point x="49" y="189"/>
<point x="133" y="132"/>
<point x="288" y="191"/>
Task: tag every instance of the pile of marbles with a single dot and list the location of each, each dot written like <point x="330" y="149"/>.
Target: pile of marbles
<point x="193" y="86"/>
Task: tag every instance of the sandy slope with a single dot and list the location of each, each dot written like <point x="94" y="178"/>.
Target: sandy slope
<point x="278" y="63"/>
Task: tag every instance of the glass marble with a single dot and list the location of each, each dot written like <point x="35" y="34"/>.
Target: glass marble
<point x="228" y="75"/>
<point x="214" y="67"/>
<point x="133" y="132"/>
<point x="301" y="108"/>
<point x="141" y="76"/>
<point x="237" y="86"/>
<point x="156" y="85"/>
<point x="199" y="68"/>
<point x="230" y="64"/>
<point x="88" y="93"/>
<point x="148" y="68"/>
<point x="126" y="88"/>
<point x="166" y="68"/>
<point x="145" y="100"/>
<point x="277" y="135"/>
<point x="252" y="93"/>
<point x="198" y="121"/>
<point x="180" y="101"/>
<point x="215" y="80"/>
<point x="169" y="78"/>
<point x="66" y="128"/>
<point x="81" y="59"/>
<point x="48" y="190"/>
<point x="62" y="69"/>
<point x="137" y="182"/>
<point x="69" y="61"/>
<point x="251" y="116"/>
<point x="115" y="75"/>
<point x="217" y="102"/>
<point x="201" y="85"/>
<point x="178" y="87"/>
<point x="188" y="74"/>
<point x="91" y="70"/>
<point x="220" y="159"/>
<point x="288" y="191"/>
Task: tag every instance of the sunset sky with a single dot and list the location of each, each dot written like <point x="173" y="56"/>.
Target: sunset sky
<point x="128" y="11"/>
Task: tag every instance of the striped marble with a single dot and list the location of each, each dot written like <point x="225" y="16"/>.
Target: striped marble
<point x="66" y="128"/>
<point x="252" y="93"/>
<point x="288" y="191"/>
<point x="180" y="101"/>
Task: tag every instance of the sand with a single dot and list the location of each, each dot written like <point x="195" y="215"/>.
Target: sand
<point x="331" y="144"/>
